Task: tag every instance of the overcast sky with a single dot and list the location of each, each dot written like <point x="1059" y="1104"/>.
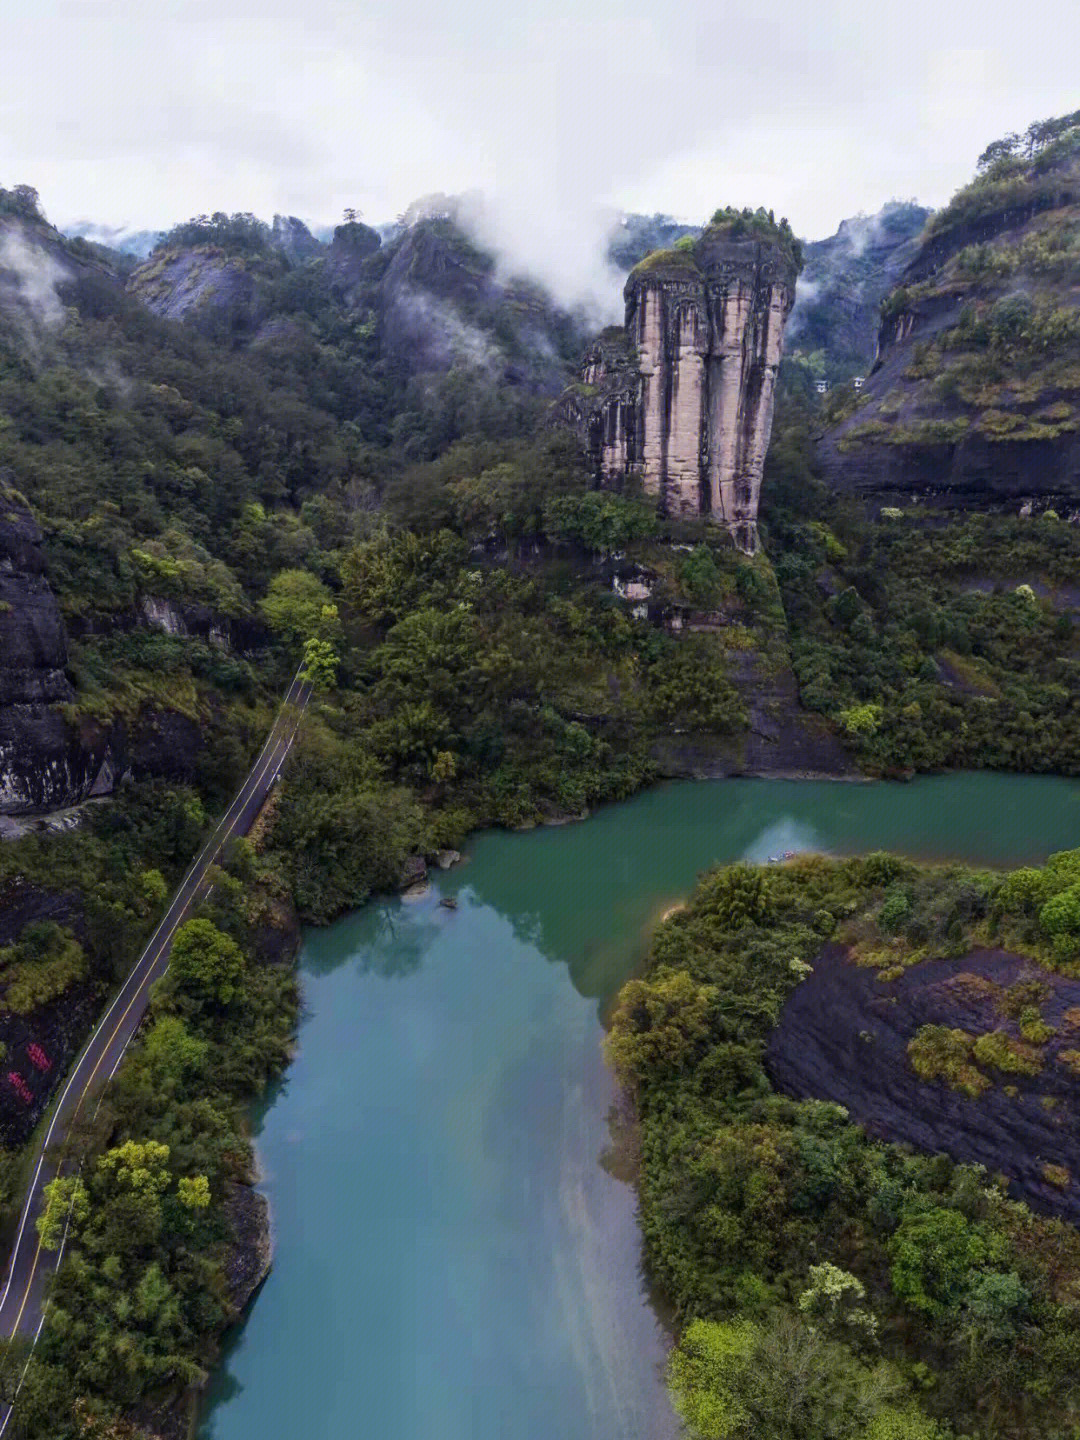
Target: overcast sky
<point x="145" y="113"/>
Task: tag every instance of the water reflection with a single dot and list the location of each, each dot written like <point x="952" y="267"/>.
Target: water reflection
<point x="458" y="1255"/>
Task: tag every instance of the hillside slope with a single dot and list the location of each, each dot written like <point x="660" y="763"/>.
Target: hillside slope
<point x="974" y="400"/>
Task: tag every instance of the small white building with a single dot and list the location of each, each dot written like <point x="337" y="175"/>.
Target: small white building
<point x="821" y="386"/>
<point x="859" y="381"/>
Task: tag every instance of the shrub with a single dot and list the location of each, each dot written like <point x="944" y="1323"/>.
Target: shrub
<point x="1060" y="916"/>
<point x="999" y="1051"/>
<point x="938" y="1053"/>
<point x="895" y="910"/>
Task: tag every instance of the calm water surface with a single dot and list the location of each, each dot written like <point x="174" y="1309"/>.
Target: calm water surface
<point x="456" y="1258"/>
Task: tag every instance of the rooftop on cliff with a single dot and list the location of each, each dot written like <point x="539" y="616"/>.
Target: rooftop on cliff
<point x="684" y="258"/>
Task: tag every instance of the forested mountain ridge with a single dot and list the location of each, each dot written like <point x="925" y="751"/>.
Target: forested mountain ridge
<point x="351" y="448"/>
<point x="973" y="400"/>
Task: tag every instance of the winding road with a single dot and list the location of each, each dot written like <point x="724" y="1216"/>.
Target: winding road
<point x="24" y="1297"/>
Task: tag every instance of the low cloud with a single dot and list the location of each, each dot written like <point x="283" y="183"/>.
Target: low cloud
<point x="447" y="338"/>
<point x="29" y="277"/>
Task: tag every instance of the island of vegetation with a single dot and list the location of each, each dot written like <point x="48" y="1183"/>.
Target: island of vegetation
<point x="829" y="1282"/>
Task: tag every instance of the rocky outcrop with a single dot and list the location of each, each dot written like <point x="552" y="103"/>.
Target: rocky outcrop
<point x="782" y="740"/>
<point x="295" y="241"/>
<point x="250" y="1249"/>
<point x="973" y="401"/>
<point x="44" y="763"/>
<point x="843" y="1036"/>
<point x="602" y="405"/>
<point x="706" y="324"/>
<point x="203" y="286"/>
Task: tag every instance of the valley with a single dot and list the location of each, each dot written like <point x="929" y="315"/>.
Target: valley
<point x="530" y="568"/>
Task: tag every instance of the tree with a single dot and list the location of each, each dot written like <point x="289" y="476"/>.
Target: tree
<point x="1061" y="913"/>
<point x="864" y="720"/>
<point x="65" y="1199"/>
<point x="997" y="150"/>
<point x="659" y="1025"/>
<point x="193" y="1192"/>
<point x="835" y="1300"/>
<point x="736" y="895"/>
<point x="294" y="606"/>
<point x="933" y="1254"/>
<point x="141" y="1167"/>
<point x="993" y="1307"/>
<point x="153" y="886"/>
<point x="700" y="578"/>
<point x="689" y="688"/>
<point x="170" y="1048"/>
<point x="780" y="1379"/>
<point x="206" y="963"/>
<point x="320" y="665"/>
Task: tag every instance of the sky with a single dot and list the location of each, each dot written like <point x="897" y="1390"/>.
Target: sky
<point x="145" y="113"/>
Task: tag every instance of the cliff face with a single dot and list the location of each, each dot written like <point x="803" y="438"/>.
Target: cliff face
<point x="43" y="763"/>
<point x="216" y="293"/>
<point x="444" y="304"/>
<point x="692" y="416"/>
<point x="974" y="398"/>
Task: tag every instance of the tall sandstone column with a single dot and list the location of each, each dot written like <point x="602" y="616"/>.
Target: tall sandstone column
<point x="708" y="324"/>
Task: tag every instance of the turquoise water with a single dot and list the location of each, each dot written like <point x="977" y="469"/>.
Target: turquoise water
<point x="457" y="1257"/>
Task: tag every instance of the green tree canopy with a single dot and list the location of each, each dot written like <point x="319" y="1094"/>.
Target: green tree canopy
<point x="206" y="963"/>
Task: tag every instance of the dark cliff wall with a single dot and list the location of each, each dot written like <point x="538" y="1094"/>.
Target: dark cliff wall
<point x="44" y="763"/>
<point x="974" y="398"/>
<point x="845" y="279"/>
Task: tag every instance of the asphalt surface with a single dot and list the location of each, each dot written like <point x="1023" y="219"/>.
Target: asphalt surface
<point x="24" y="1297"/>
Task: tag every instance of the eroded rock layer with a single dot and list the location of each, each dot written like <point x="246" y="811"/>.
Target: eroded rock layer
<point x="685" y="400"/>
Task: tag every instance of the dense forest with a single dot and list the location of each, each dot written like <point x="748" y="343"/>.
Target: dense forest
<point x="830" y="1285"/>
<point x="350" y="452"/>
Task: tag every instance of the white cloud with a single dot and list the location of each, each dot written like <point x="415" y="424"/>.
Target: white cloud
<point x="561" y="109"/>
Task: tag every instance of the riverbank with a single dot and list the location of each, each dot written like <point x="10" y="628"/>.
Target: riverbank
<point x="449" y="1087"/>
<point x="757" y="1207"/>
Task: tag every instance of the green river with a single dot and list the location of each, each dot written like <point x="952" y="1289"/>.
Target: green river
<point x="457" y="1257"/>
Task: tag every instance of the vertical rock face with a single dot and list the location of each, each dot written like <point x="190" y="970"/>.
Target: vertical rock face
<point x="43" y="764"/>
<point x="709" y="327"/>
<point x="682" y="399"/>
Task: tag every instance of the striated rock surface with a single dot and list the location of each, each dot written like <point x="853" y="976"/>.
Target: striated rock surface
<point x="203" y="286"/>
<point x="974" y="397"/>
<point x="687" y="407"/>
<point x="843" y="1036"/>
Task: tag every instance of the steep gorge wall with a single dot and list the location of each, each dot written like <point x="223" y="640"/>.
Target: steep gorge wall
<point x="973" y="401"/>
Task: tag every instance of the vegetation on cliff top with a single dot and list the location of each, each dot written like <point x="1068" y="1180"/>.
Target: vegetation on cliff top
<point x="979" y="341"/>
<point x="726" y="224"/>
<point x="877" y="1284"/>
<point x="1035" y="170"/>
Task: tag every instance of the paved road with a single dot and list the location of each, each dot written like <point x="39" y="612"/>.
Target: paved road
<point x="24" y="1295"/>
